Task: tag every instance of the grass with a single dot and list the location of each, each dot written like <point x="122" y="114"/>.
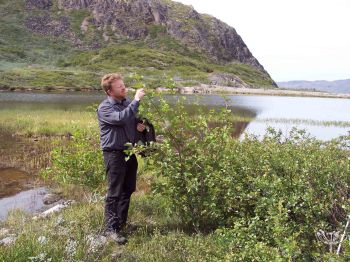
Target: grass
<point x="50" y="122"/>
<point x="19" y="45"/>
<point x="158" y="236"/>
<point x="47" y="79"/>
<point x="305" y="122"/>
<point x="83" y="69"/>
<point x="68" y="235"/>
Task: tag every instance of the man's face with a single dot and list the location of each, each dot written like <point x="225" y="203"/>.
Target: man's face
<point x="118" y="89"/>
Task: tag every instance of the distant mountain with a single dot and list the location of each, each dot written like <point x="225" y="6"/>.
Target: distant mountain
<point x="71" y="43"/>
<point x="338" y="86"/>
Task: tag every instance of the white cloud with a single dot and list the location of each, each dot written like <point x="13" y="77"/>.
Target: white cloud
<point x="292" y="39"/>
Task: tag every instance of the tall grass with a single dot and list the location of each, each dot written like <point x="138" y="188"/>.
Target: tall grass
<point x="48" y="122"/>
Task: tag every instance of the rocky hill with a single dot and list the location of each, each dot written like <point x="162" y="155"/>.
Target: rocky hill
<point x="69" y="43"/>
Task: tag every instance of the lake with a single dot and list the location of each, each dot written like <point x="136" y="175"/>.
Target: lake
<point x="324" y="118"/>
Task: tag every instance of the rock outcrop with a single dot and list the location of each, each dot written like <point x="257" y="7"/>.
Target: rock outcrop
<point x="133" y="19"/>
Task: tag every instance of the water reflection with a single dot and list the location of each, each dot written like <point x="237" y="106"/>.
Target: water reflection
<point x="19" y="190"/>
<point x="282" y="113"/>
<point x="304" y="112"/>
<point x="265" y="109"/>
<point x="13" y="181"/>
<point x="29" y="201"/>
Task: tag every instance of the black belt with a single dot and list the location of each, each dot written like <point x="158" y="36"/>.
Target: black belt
<point x="112" y="150"/>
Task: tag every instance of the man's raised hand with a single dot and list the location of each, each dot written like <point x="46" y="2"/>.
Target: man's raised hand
<point x="139" y="94"/>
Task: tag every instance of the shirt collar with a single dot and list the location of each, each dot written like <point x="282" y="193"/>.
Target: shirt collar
<point x="115" y="101"/>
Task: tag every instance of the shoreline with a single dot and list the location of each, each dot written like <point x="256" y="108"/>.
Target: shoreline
<point x="260" y="91"/>
<point x="202" y="89"/>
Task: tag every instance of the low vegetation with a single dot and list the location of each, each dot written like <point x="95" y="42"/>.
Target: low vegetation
<point x="201" y="195"/>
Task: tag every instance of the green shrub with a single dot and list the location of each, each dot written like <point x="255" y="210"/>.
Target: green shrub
<point x="79" y="161"/>
<point x="276" y="191"/>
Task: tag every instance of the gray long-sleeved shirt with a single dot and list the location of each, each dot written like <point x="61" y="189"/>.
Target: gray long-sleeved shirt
<point x="117" y="122"/>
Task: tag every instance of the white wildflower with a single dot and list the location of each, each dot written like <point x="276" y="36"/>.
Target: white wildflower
<point x="4" y="231"/>
<point x="42" y="239"/>
<point x="59" y="220"/>
<point x="9" y="240"/>
<point x="42" y="257"/>
<point x="95" y="242"/>
<point x="71" y="248"/>
<point x="63" y="231"/>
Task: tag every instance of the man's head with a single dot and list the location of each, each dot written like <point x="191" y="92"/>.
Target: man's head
<point x="113" y="85"/>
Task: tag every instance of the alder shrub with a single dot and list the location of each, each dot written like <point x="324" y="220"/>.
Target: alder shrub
<point x="78" y="161"/>
<point x="272" y="192"/>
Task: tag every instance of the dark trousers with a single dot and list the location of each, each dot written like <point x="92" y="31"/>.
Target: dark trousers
<point x="121" y="177"/>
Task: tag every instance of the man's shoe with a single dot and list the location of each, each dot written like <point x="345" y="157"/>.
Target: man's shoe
<point x="116" y="237"/>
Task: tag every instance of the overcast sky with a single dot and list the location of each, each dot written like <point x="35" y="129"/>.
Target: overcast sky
<point x="292" y="39"/>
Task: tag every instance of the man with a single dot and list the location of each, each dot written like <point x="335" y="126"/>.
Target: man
<point x="118" y="125"/>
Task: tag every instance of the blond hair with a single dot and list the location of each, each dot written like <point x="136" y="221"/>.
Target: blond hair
<point x="107" y="80"/>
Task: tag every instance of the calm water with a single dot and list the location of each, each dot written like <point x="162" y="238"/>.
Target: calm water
<point x="276" y="111"/>
<point x="281" y="112"/>
<point x="268" y="109"/>
<point x="284" y="112"/>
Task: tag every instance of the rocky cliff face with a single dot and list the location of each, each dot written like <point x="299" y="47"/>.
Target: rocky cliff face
<point x="133" y="19"/>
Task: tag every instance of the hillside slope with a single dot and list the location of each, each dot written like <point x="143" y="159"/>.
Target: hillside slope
<point x="71" y="43"/>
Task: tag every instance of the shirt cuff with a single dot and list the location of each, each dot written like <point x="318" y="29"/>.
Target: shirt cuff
<point x="135" y="104"/>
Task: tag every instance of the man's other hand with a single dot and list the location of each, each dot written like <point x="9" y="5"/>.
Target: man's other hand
<point x="140" y="127"/>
